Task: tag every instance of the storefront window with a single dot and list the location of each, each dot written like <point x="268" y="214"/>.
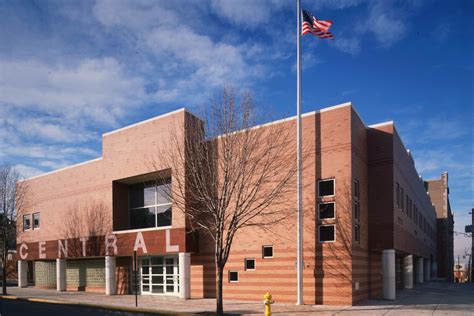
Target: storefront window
<point x="150" y="204"/>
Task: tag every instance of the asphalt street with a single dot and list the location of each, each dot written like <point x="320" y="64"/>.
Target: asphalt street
<point x="10" y="307"/>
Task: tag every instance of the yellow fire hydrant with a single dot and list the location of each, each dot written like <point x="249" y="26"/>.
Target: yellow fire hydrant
<point x="268" y="304"/>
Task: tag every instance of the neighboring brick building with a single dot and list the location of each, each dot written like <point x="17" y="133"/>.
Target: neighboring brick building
<point x="365" y="211"/>
<point x="439" y="193"/>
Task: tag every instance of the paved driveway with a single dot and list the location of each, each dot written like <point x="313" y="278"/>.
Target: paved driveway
<point x="433" y="298"/>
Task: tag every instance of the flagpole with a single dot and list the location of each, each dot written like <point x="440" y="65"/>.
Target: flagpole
<point x="299" y="234"/>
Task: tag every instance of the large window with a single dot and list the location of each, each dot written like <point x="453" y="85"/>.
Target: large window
<point x="150" y="204"/>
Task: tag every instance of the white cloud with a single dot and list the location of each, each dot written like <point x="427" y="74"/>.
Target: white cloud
<point x="386" y="22"/>
<point x="96" y="89"/>
<point x="27" y="171"/>
<point x="250" y="13"/>
<point x="337" y="4"/>
<point x="347" y="45"/>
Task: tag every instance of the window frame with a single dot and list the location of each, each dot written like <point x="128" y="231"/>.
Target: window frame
<point x="319" y="234"/>
<point x="263" y="252"/>
<point x="356" y="189"/>
<point x="26" y="216"/>
<point x="254" y="264"/>
<point x="33" y="221"/>
<point x="328" y="218"/>
<point x="357" y="211"/>
<point x="357" y="233"/>
<point x="402" y="198"/>
<point x="156" y="206"/>
<point x="334" y="187"/>
<point x="397" y="194"/>
<point x="236" y="273"/>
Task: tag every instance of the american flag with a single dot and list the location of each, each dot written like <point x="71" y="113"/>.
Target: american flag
<point x="319" y="28"/>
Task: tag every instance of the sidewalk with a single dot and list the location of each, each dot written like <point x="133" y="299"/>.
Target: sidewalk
<point x="434" y="298"/>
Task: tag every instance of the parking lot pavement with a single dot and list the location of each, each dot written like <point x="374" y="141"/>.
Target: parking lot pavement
<point x="433" y="298"/>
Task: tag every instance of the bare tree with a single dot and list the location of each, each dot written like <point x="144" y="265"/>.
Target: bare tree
<point x="86" y="220"/>
<point x="12" y="201"/>
<point x="229" y="174"/>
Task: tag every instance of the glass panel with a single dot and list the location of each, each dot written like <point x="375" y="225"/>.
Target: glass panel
<point x="156" y="260"/>
<point x="326" y="233"/>
<point x="145" y="280"/>
<point x="326" y="187"/>
<point x="145" y="262"/>
<point x="163" y="193"/>
<point x="170" y="288"/>
<point x="249" y="264"/>
<point x="267" y="251"/>
<point x="326" y="210"/>
<point x="157" y="279"/>
<point x="233" y="276"/>
<point x="145" y="270"/>
<point x="36" y="220"/>
<point x="169" y="269"/>
<point x="169" y="280"/>
<point x="149" y="195"/>
<point x="169" y="261"/>
<point x="142" y="218"/>
<point x="146" y="288"/>
<point x="163" y="215"/>
<point x="157" y="270"/>
<point x="136" y="195"/>
<point x="157" y="289"/>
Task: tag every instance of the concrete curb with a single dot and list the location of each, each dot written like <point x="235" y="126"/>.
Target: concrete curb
<point x="98" y="306"/>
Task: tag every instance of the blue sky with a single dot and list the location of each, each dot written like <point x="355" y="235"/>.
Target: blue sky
<point x="72" y="70"/>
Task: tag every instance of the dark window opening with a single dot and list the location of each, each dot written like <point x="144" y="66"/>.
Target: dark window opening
<point x="267" y="251"/>
<point x="327" y="210"/>
<point x="327" y="233"/>
<point x="233" y="276"/>
<point x="36" y="220"/>
<point x="249" y="264"/>
<point x="326" y="187"/>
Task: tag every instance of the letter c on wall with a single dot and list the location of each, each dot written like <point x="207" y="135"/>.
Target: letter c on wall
<point x="23" y="256"/>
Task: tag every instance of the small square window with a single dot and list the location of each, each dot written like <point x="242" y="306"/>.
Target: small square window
<point x="267" y="251"/>
<point x="357" y="233"/>
<point x="233" y="276"/>
<point x="249" y="264"/>
<point x="326" y="187"/>
<point x="326" y="210"/>
<point x="36" y="220"/>
<point x="356" y="189"/>
<point x="356" y="211"/>
<point x="326" y="233"/>
<point x="26" y="222"/>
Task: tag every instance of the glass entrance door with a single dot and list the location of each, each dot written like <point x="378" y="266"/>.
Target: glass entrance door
<point x="160" y="275"/>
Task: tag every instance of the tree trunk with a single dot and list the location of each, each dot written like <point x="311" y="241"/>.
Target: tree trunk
<point x="219" y="304"/>
<point x="4" y="269"/>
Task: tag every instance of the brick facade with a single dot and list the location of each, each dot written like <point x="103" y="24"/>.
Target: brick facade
<point x="339" y="145"/>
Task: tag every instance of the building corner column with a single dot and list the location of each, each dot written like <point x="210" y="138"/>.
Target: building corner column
<point x="22" y="273"/>
<point x="388" y="270"/>
<point x="184" y="275"/>
<point x="419" y="270"/>
<point x="110" y="276"/>
<point x="427" y="270"/>
<point x="408" y="272"/>
<point x="60" y="274"/>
